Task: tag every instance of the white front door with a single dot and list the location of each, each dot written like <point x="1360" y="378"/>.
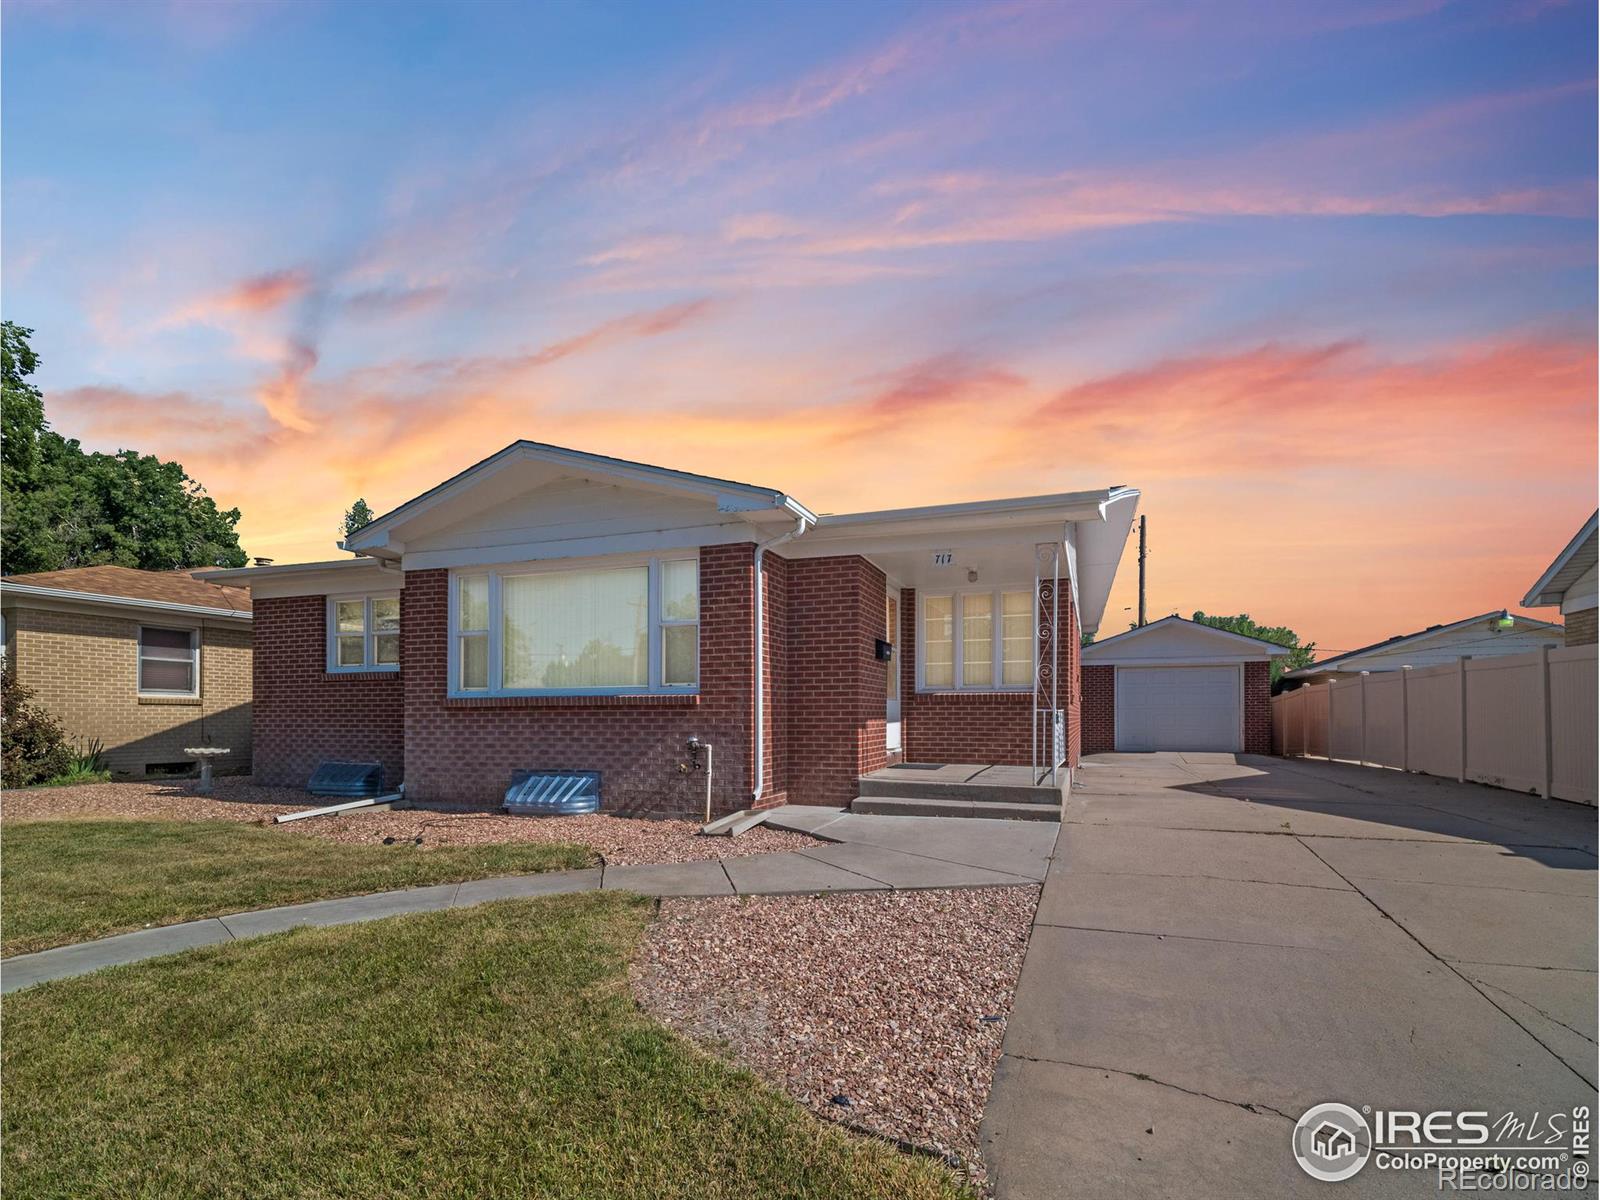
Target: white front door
<point x="1178" y="708"/>
<point x="891" y="624"/>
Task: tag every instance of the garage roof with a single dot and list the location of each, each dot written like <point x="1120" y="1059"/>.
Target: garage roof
<point x="1178" y="641"/>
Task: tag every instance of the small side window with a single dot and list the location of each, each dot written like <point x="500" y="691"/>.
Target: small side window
<point x="169" y="662"/>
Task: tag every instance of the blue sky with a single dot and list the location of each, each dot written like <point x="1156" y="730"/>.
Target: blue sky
<point x="1309" y="274"/>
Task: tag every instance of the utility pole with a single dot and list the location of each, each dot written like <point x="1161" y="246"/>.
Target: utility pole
<point x="1141" y="569"/>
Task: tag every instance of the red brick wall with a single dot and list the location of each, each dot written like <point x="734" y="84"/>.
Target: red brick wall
<point x="837" y="687"/>
<point x="464" y="751"/>
<point x="1099" y="709"/>
<point x="983" y="727"/>
<point x="775" y="681"/>
<point x="1258" y="708"/>
<point x="302" y="714"/>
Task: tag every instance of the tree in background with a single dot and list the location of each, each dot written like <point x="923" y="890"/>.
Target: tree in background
<point x="64" y="507"/>
<point x="1298" y="656"/>
<point x="357" y="515"/>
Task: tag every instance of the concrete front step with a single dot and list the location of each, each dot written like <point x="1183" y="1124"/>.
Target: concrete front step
<point x="918" y="806"/>
<point x="960" y="781"/>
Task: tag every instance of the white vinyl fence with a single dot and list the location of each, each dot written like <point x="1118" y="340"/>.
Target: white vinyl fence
<point x="1526" y="722"/>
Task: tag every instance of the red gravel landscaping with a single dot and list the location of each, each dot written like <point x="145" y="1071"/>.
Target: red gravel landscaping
<point x="621" y="841"/>
<point x="893" y="1001"/>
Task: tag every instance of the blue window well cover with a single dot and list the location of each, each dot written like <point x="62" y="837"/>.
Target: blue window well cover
<point x="353" y="781"/>
<point x="552" y="793"/>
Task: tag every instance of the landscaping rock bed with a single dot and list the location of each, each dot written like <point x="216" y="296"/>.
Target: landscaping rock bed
<point x="621" y="841"/>
<point x="884" y="1011"/>
<point x="233" y="798"/>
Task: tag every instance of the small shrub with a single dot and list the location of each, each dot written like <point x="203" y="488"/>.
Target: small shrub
<point x="87" y="766"/>
<point x="33" y="747"/>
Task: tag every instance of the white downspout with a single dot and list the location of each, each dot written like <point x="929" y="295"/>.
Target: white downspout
<point x="800" y="526"/>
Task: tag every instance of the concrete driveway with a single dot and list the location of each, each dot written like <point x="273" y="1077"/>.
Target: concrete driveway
<point x="1225" y="941"/>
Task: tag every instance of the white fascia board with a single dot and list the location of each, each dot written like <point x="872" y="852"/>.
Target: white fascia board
<point x="729" y="495"/>
<point x="143" y="605"/>
<point x="1549" y="590"/>
<point x="1101" y="543"/>
<point x="347" y="575"/>
<point x="235" y="574"/>
<point x="977" y="514"/>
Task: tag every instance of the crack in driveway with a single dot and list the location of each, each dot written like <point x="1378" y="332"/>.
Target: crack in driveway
<point x="1248" y="1106"/>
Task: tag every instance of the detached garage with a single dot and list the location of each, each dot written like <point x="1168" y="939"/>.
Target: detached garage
<point x="1176" y="685"/>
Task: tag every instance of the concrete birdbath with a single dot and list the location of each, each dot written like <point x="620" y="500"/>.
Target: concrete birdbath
<point x="205" y="754"/>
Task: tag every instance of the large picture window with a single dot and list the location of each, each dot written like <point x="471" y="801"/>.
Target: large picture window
<point x="169" y="662"/>
<point x="624" y="628"/>
<point x="364" y="633"/>
<point x="976" y="641"/>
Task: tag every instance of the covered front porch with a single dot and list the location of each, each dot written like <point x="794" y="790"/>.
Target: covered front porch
<point x="984" y="605"/>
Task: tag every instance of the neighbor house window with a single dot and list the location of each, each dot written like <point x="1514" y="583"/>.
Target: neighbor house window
<point x="169" y="662"/>
<point x="364" y="633"/>
<point x="977" y="641"/>
<point x="629" y="627"/>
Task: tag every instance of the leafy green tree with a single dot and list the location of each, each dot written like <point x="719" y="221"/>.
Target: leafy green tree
<point x="64" y="507"/>
<point x="1298" y="656"/>
<point x="358" y="514"/>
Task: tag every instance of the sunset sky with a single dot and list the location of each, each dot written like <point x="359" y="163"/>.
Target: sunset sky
<point x="1319" y="278"/>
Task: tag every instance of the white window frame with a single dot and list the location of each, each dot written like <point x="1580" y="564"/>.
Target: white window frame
<point x="957" y="650"/>
<point x="138" y="663"/>
<point x="369" y="635"/>
<point x="656" y="648"/>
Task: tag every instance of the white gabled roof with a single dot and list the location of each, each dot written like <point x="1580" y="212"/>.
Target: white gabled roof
<point x="1570" y="565"/>
<point x="729" y="495"/>
<point x="1177" y="640"/>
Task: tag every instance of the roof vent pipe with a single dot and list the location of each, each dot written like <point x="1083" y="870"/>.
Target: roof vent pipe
<point x="800" y="526"/>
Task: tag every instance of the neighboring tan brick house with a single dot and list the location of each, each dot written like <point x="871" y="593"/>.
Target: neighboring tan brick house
<point x="549" y="609"/>
<point x="1178" y="685"/>
<point x="148" y="663"/>
<point x="1570" y="583"/>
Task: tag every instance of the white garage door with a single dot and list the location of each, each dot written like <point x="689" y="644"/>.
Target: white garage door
<point x="1178" y="708"/>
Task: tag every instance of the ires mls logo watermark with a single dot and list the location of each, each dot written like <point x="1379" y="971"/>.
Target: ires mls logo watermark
<point x="1468" y="1150"/>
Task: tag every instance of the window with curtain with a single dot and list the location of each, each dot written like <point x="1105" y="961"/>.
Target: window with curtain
<point x="364" y="633"/>
<point x="634" y="627"/>
<point x="977" y="641"/>
<point x="169" y="662"/>
<point x="938" y="641"/>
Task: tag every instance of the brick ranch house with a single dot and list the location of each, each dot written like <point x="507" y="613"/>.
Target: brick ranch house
<point x="549" y="609"/>
<point x="149" y="663"/>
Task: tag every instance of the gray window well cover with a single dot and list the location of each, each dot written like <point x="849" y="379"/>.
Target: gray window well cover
<point x="353" y="781"/>
<point x="547" y="793"/>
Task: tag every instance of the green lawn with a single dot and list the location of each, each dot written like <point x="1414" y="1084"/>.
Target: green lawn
<point x="65" y="881"/>
<point x="486" y="1052"/>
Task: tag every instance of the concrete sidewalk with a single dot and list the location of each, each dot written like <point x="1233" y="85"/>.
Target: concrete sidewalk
<point x="864" y="854"/>
<point x="1222" y="943"/>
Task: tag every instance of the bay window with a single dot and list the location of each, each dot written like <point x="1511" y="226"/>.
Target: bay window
<point x="976" y="641"/>
<point x="364" y="633"/>
<point x="631" y="627"/>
